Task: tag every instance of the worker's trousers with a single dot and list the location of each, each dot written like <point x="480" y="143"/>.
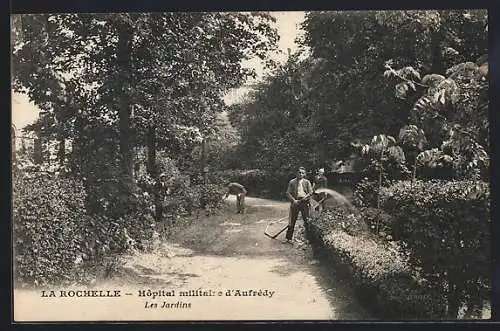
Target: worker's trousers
<point x="304" y="208"/>
<point x="240" y="203"/>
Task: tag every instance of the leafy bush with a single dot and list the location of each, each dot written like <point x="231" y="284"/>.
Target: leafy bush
<point x="180" y="195"/>
<point x="453" y="112"/>
<point x="209" y="196"/>
<point x="446" y="227"/>
<point x="134" y="230"/>
<point x="55" y="240"/>
<point x="49" y="227"/>
<point x="365" y="193"/>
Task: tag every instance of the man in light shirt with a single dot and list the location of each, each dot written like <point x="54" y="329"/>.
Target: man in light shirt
<point x="299" y="192"/>
<point x="240" y="192"/>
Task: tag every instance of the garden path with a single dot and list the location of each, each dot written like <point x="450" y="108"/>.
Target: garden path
<point x="229" y="252"/>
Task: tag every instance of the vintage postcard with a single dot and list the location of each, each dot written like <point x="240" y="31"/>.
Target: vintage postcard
<point x="255" y="166"/>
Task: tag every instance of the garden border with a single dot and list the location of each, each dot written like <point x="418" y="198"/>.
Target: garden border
<point x="382" y="297"/>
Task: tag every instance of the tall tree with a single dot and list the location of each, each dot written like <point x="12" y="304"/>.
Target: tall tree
<point x="335" y="93"/>
<point x="135" y="73"/>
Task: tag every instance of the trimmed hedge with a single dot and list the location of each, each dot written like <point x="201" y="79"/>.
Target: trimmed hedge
<point x="380" y="223"/>
<point x="378" y="270"/>
<point x="443" y="233"/>
<point x="446" y="227"/>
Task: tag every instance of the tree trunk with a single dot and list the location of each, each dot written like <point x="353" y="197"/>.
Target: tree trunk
<point x="380" y="179"/>
<point x="158" y="200"/>
<point x="414" y="175"/>
<point x="203" y="155"/>
<point x="124" y="112"/>
<point x="204" y="160"/>
<point x="37" y="151"/>
<point x="151" y="145"/>
<point x="61" y="152"/>
<point x="153" y="171"/>
<point x="124" y="54"/>
<point x="453" y="302"/>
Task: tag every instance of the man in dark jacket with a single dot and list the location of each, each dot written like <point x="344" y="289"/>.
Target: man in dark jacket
<point x="298" y="192"/>
<point x="240" y="192"/>
<point x="160" y="192"/>
<point x="320" y="181"/>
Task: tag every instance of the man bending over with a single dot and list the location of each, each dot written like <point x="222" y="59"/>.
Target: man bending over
<point x="240" y="192"/>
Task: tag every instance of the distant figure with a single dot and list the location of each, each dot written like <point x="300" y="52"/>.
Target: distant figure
<point x="240" y="192"/>
<point x="160" y="192"/>
<point x="320" y="181"/>
<point x="299" y="192"/>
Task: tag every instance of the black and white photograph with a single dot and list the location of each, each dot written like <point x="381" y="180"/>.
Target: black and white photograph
<point x="251" y="166"/>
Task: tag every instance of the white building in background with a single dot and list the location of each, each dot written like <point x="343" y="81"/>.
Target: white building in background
<point x="23" y="113"/>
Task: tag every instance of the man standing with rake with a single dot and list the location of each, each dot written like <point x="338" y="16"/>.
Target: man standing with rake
<point x="299" y="192"/>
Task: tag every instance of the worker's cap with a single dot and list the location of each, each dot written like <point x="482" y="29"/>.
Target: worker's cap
<point x="321" y="171"/>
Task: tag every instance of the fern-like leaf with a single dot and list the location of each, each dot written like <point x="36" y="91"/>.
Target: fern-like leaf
<point x="432" y="80"/>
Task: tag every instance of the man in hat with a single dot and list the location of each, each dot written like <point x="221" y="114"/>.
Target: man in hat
<point x="160" y="191"/>
<point x="240" y="192"/>
<point x="320" y="181"/>
<point x="298" y="192"/>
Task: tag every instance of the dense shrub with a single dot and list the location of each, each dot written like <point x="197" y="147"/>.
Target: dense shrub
<point x="174" y="196"/>
<point x="365" y="193"/>
<point x="210" y="196"/>
<point x="49" y="224"/>
<point x="446" y="228"/>
<point x="179" y="195"/>
<point x="207" y="197"/>
<point x="366" y="190"/>
<point x="55" y="238"/>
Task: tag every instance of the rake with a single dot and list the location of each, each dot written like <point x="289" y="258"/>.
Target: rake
<point x="274" y="236"/>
